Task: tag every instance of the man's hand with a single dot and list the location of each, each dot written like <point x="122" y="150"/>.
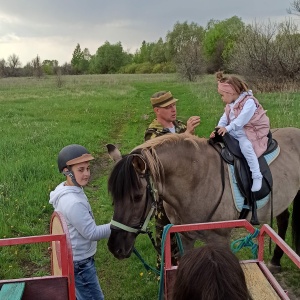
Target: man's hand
<point x="192" y="123"/>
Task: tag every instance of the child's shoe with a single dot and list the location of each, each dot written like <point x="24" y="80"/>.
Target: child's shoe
<point x="256" y="185"/>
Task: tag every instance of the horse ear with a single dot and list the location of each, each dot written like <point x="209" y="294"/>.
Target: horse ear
<point x="139" y="164"/>
<point x="113" y="152"/>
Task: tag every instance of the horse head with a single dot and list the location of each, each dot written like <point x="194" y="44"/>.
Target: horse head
<point x="131" y="190"/>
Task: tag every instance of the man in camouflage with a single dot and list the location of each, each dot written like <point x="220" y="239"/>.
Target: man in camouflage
<point x="164" y="106"/>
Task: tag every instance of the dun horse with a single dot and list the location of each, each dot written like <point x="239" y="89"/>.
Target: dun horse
<point x="184" y="172"/>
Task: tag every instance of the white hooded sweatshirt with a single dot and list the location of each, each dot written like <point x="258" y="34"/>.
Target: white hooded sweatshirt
<point x="72" y="202"/>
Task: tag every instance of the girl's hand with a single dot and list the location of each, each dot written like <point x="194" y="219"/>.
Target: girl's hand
<point x="222" y="131"/>
<point x="212" y="135"/>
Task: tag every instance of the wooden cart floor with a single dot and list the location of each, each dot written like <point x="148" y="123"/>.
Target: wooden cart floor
<point x="258" y="285"/>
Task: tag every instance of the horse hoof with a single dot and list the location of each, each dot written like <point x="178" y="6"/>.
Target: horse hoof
<point x="274" y="269"/>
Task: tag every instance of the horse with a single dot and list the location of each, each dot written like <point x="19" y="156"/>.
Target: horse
<point x="183" y="171"/>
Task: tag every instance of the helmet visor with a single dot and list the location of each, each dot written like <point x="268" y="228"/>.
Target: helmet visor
<point x="80" y="159"/>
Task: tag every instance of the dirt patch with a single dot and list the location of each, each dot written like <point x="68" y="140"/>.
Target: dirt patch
<point x="294" y="294"/>
<point x="101" y="166"/>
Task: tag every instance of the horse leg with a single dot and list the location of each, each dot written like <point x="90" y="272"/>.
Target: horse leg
<point x="282" y="223"/>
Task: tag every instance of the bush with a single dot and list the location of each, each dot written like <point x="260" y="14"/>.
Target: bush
<point x="144" y="68"/>
<point x="169" y="67"/>
<point x="158" y="68"/>
<point x="268" y="56"/>
<point x="128" y="69"/>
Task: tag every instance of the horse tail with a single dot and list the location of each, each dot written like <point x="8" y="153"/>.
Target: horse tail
<point x="296" y="223"/>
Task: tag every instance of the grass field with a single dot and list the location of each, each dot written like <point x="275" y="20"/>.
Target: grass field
<point x="38" y="119"/>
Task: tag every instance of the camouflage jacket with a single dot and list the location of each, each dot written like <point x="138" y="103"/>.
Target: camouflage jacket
<point x="156" y="129"/>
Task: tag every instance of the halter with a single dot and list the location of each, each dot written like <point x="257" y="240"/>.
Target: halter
<point x="142" y="227"/>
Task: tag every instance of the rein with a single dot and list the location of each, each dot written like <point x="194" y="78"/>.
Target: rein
<point x="142" y="227"/>
<point x="223" y="185"/>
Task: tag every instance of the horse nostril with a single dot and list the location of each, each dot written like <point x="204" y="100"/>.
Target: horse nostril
<point x="119" y="251"/>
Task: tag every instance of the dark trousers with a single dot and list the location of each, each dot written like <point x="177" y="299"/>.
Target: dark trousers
<point x="162" y="220"/>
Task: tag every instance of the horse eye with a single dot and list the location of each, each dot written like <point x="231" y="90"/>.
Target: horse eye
<point x="137" y="198"/>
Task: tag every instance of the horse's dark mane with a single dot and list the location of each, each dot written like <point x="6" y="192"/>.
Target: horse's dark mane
<point x="123" y="178"/>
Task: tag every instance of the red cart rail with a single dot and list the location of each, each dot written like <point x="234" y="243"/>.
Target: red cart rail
<point x="60" y="285"/>
<point x="275" y="290"/>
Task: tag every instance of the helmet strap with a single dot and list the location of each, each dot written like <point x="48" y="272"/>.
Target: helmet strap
<point x="72" y="176"/>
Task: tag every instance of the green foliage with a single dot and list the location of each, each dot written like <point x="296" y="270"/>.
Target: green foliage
<point x="144" y="68"/>
<point x="109" y="58"/>
<point x="158" y="68"/>
<point x="169" y="67"/>
<point x="128" y="69"/>
<point x="77" y="58"/>
<point x="50" y="67"/>
<point x="182" y="35"/>
<point x="144" y="53"/>
<point x="219" y="40"/>
<point x="159" y="52"/>
<point x="148" y="68"/>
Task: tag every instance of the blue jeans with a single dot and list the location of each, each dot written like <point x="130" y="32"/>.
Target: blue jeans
<point x="86" y="280"/>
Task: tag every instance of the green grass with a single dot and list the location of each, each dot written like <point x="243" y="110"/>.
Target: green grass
<point x="38" y="119"/>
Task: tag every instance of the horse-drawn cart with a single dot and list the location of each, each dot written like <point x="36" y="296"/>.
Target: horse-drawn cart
<point x="260" y="281"/>
<point x="60" y="285"/>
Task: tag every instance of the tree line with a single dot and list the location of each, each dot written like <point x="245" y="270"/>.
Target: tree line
<point x="265" y="54"/>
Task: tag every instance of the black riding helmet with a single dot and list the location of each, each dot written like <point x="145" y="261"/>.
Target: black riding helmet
<point x="71" y="155"/>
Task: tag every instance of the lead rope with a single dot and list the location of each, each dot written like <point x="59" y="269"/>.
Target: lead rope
<point x="178" y="239"/>
<point x="238" y="244"/>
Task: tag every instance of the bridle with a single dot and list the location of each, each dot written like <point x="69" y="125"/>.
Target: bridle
<point x="142" y="226"/>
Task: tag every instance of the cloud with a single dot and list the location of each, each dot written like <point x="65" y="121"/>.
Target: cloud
<point x="52" y="29"/>
<point x="9" y="38"/>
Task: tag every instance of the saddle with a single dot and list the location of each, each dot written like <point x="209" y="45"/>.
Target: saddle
<point x="229" y="150"/>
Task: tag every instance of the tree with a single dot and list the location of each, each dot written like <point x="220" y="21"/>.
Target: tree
<point x="28" y="70"/>
<point x="295" y="8"/>
<point x="183" y="34"/>
<point x="158" y="53"/>
<point x="67" y="69"/>
<point x="37" y="67"/>
<point x="84" y="63"/>
<point x="13" y="63"/>
<point x="50" y="67"/>
<point x="184" y="48"/>
<point x="109" y="58"/>
<point x="268" y="55"/>
<point x="190" y="61"/>
<point x="77" y="58"/>
<point x="143" y="55"/>
<point x="3" y="71"/>
<point x="219" y="40"/>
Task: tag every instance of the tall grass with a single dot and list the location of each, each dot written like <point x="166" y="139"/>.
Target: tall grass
<point x="38" y="118"/>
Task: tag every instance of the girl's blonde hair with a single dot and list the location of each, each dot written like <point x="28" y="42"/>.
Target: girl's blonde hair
<point x="238" y="85"/>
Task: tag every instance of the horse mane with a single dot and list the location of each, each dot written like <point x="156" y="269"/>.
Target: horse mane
<point x="169" y="139"/>
<point x="148" y="151"/>
<point x="123" y="179"/>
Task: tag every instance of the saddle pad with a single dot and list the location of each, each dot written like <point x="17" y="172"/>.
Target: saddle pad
<point x="237" y="196"/>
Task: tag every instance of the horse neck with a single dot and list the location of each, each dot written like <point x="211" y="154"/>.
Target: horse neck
<point x="190" y="156"/>
<point x="188" y="171"/>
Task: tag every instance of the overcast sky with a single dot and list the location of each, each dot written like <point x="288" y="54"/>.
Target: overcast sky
<point x="52" y="28"/>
